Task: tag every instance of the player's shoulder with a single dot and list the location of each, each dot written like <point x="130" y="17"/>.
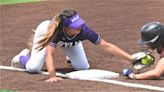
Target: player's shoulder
<point x="45" y="22"/>
<point x="85" y="29"/>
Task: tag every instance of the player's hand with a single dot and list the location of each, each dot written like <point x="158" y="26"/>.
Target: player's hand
<point x="53" y="79"/>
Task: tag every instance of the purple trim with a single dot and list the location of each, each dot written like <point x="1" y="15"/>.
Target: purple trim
<point x="74" y="22"/>
<point x="53" y="44"/>
<point x="98" y="40"/>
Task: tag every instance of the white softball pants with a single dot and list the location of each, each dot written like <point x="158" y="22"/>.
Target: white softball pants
<point x="75" y="53"/>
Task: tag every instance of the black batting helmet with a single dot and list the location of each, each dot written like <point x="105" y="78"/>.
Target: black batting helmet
<point x="152" y="34"/>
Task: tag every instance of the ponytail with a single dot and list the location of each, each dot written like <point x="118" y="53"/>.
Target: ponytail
<point x="53" y="29"/>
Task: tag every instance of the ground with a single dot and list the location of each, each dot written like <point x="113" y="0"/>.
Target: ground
<point x="117" y="21"/>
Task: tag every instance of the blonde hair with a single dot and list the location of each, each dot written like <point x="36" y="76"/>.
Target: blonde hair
<point x="48" y="36"/>
<point x="53" y="28"/>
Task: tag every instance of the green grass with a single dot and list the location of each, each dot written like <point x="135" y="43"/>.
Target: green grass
<point x="4" y="90"/>
<point x="6" y="2"/>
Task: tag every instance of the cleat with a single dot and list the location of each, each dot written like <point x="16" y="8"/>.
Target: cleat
<point x="16" y="60"/>
<point x="68" y="61"/>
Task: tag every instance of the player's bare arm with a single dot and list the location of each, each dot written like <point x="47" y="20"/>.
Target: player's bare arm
<point x="50" y="65"/>
<point x="114" y="50"/>
<point x="154" y="73"/>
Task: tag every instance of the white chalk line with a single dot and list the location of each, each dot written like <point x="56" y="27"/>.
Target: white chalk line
<point x="116" y="82"/>
<point x="24" y="70"/>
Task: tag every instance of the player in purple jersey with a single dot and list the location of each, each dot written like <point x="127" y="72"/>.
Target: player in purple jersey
<point x="66" y="30"/>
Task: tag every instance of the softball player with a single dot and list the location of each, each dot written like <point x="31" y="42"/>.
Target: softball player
<point x="66" y="30"/>
<point x="152" y="35"/>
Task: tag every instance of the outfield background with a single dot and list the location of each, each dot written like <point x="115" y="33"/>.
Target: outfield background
<point x="7" y="2"/>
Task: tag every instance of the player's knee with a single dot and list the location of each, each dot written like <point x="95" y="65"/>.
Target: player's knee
<point x="86" y="67"/>
<point x="82" y="67"/>
<point x="33" y="69"/>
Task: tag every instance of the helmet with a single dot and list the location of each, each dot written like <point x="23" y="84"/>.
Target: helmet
<point x="152" y="34"/>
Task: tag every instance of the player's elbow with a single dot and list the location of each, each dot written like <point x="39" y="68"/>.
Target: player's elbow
<point x="157" y="75"/>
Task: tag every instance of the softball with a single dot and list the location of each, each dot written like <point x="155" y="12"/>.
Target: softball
<point x="147" y="60"/>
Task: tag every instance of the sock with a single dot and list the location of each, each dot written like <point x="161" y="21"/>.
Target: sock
<point x="23" y="61"/>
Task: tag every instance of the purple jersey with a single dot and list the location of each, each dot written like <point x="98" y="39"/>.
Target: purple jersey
<point x="85" y="34"/>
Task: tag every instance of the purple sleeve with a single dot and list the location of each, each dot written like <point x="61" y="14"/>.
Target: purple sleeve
<point x="90" y="35"/>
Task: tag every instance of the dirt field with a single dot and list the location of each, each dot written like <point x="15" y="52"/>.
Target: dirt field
<point x="117" y="21"/>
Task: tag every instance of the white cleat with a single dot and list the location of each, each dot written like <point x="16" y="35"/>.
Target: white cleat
<point x="16" y="62"/>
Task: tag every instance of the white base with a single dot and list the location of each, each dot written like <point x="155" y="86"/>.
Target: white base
<point x="92" y="74"/>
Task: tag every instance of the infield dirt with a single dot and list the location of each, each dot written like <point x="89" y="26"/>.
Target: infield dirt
<point x="117" y="21"/>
